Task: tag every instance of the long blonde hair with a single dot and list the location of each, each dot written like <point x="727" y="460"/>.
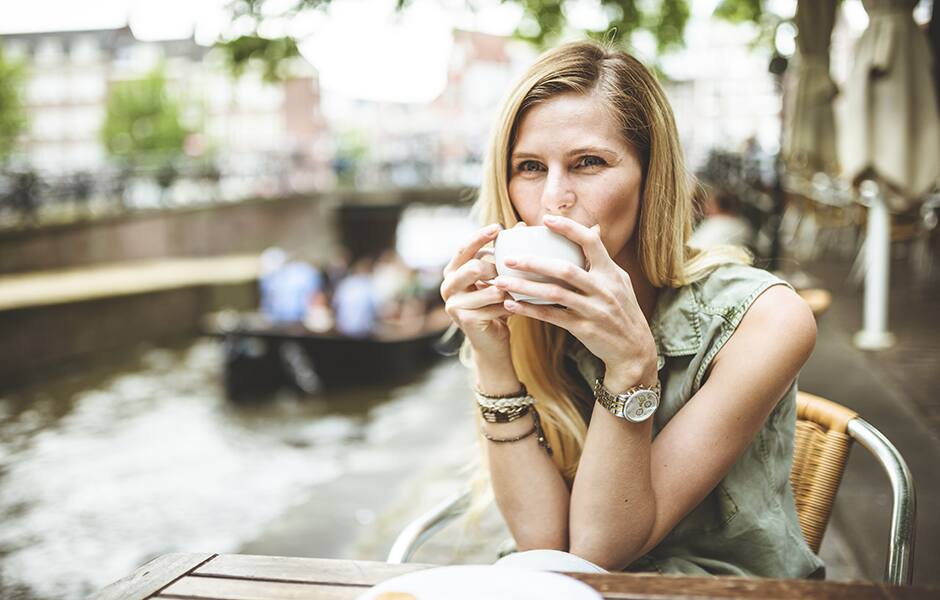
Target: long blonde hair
<point x="636" y="99"/>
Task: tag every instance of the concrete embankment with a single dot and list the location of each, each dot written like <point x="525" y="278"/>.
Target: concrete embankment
<point x="53" y="321"/>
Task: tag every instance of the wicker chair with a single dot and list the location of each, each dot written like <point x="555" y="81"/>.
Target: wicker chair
<point x="824" y="433"/>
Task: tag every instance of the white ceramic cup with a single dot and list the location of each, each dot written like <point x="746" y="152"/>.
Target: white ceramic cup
<point x="536" y="240"/>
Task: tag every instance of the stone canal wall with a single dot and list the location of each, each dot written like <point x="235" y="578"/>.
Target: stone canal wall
<point x="313" y="224"/>
<point x="47" y="341"/>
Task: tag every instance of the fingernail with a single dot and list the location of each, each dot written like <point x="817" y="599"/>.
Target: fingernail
<point x="492" y="229"/>
<point x="511" y="261"/>
<point x="549" y="219"/>
<point x="510" y="305"/>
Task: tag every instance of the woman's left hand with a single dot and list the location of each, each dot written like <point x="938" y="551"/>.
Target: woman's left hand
<point x="602" y="310"/>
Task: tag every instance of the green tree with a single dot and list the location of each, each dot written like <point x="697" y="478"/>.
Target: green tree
<point x="12" y="115"/>
<point x="142" y="123"/>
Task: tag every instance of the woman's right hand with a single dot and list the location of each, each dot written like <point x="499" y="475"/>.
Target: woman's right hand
<point x="476" y="307"/>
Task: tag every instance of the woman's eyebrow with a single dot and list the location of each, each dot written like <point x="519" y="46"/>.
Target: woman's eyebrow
<point x="582" y="150"/>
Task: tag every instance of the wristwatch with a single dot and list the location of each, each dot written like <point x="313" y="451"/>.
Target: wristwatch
<point x="635" y="405"/>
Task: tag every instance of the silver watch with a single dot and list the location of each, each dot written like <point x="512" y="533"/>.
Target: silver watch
<point x="635" y="405"/>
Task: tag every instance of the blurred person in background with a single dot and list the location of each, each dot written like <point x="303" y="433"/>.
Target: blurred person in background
<point x="390" y="276"/>
<point x="644" y="419"/>
<point x="354" y="301"/>
<point x="722" y="223"/>
<point x="319" y="317"/>
<point x="288" y="286"/>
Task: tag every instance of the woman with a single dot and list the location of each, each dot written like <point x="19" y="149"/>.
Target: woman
<point x="586" y="145"/>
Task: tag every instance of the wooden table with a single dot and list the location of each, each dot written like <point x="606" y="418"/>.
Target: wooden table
<point x="243" y="577"/>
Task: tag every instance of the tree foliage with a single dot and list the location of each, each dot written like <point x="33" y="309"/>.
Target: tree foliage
<point x="738" y="11"/>
<point x="543" y="23"/>
<point x="142" y="122"/>
<point x="12" y="115"/>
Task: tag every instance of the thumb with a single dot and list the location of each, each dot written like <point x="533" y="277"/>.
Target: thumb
<point x="596" y="228"/>
<point x="519" y="224"/>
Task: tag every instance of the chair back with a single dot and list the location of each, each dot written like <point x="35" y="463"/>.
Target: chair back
<point x="820" y="451"/>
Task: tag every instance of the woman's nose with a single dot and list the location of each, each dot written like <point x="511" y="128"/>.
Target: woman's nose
<point x="558" y="195"/>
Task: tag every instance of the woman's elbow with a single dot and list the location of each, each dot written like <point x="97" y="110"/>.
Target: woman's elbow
<point x="610" y="549"/>
<point x="542" y="540"/>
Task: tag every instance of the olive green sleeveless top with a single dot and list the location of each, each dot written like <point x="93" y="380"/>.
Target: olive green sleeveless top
<point x="747" y="525"/>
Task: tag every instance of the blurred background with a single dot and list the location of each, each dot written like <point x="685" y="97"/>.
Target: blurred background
<point x="223" y="225"/>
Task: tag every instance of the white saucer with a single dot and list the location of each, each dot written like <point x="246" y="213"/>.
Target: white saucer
<point x="484" y="582"/>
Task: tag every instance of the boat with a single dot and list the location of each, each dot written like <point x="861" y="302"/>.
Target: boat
<point x="261" y="357"/>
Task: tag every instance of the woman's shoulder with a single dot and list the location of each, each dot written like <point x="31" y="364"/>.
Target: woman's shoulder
<point x="731" y="286"/>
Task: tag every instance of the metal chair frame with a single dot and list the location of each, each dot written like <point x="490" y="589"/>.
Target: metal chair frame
<point x="899" y="564"/>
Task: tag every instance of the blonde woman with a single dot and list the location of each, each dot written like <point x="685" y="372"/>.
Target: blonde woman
<point x="702" y="349"/>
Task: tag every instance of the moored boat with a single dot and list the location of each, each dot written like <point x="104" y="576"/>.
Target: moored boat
<point x="261" y="357"/>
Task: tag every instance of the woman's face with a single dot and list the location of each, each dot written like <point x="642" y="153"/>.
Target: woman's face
<point x="570" y="159"/>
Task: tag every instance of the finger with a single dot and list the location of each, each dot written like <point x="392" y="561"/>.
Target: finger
<point x="550" y="314"/>
<point x="519" y="224"/>
<point x="561" y="270"/>
<point x="552" y="292"/>
<point x="477" y="299"/>
<point x="481" y="315"/>
<point x="588" y="238"/>
<point x="466" y="275"/>
<point x="471" y="246"/>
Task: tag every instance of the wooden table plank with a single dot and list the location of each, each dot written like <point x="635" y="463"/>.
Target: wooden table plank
<point x="663" y="587"/>
<point x="215" y="588"/>
<point x="152" y="577"/>
<point x="305" y="570"/>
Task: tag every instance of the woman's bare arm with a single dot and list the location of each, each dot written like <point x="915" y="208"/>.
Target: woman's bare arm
<point x="629" y="494"/>
<point x="529" y="490"/>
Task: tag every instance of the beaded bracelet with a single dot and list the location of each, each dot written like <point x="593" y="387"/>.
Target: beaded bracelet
<point x="536" y="429"/>
<point x="512" y="439"/>
<point x="521" y="393"/>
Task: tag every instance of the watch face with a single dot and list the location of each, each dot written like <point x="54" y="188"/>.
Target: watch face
<point x="641" y="406"/>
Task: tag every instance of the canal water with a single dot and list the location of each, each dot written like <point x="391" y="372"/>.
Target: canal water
<point x="101" y="473"/>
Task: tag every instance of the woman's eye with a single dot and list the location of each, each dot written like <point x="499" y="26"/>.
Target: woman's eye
<point x="528" y="166"/>
<point x="592" y="161"/>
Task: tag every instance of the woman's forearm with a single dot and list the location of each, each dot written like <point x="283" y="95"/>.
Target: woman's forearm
<point x="613" y="506"/>
<point x="529" y="490"/>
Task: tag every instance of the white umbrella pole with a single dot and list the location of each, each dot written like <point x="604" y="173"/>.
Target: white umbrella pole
<point x="874" y="334"/>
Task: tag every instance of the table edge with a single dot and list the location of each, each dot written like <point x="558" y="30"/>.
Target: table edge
<point x="153" y="576"/>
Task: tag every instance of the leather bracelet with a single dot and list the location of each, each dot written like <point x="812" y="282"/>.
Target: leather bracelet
<point x="506" y="415"/>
